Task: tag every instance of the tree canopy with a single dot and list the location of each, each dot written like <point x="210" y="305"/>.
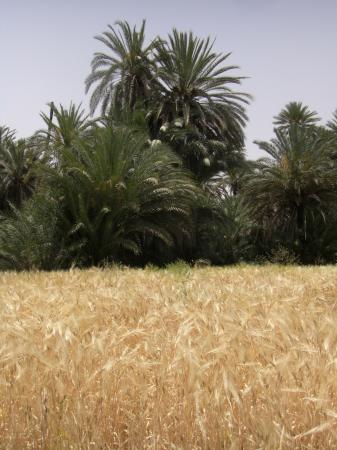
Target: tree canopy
<point x="157" y="170"/>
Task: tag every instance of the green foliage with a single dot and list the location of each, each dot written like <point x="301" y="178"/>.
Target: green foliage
<point x="321" y="244"/>
<point x="203" y="156"/>
<point x="295" y="113"/>
<point x="225" y="231"/>
<point x="6" y="134"/>
<point x="332" y="124"/>
<point x="194" y="107"/>
<point x="296" y="183"/>
<point x="64" y="127"/>
<point x="122" y="77"/>
<point x="282" y="255"/>
<point x="30" y="238"/>
<point x="18" y="164"/>
<point x="231" y="181"/>
<point x="179" y="268"/>
<point x="193" y="85"/>
<point x="121" y="197"/>
<point x="183" y="86"/>
<point x="161" y="178"/>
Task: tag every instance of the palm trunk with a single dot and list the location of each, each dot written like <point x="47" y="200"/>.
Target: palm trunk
<point x="300" y="219"/>
<point x="51" y="115"/>
<point x="301" y="232"/>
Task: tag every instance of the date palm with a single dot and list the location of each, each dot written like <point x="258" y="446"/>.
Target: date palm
<point x="65" y="125"/>
<point x="200" y="154"/>
<point x="6" y="134"/>
<point x="230" y="182"/>
<point x="225" y="229"/>
<point x="194" y="87"/>
<point x="295" y="113"/>
<point x="332" y="124"/>
<point x="296" y="181"/>
<point x="18" y="162"/>
<point x="118" y="195"/>
<point x="122" y="77"/>
<point x="30" y="236"/>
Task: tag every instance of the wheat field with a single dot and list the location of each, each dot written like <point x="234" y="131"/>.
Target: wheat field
<point x="207" y="358"/>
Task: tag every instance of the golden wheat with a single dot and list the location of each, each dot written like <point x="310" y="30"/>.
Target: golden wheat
<point x="209" y="358"/>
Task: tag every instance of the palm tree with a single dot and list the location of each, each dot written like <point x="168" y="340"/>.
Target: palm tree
<point x="194" y="88"/>
<point x="295" y="113"/>
<point x="65" y="125"/>
<point x="225" y="229"/>
<point x="202" y="155"/>
<point x="298" y="180"/>
<point x="123" y="76"/>
<point x="120" y="196"/>
<point x="332" y="124"/>
<point x="31" y="238"/>
<point x="182" y="84"/>
<point x="193" y="105"/>
<point x="6" y="134"/>
<point x="229" y="183"/>
<point x="18" y="176"/>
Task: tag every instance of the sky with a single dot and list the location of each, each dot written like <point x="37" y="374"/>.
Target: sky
<point x="286" y="49"/>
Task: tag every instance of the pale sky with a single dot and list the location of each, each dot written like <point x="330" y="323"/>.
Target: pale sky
<point x="288" y="49"/>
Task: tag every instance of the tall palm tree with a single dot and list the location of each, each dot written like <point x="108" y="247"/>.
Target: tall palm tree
<point x="122" y="77"/>
<point x="296" y="181"/>
<point x="182" y="84"/>
<point x="195" y="88"/>
<point x="194" y="106"/>
<point x="295" y="113"/>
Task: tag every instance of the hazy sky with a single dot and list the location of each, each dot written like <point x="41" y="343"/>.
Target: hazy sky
<point x="288" y="49"/>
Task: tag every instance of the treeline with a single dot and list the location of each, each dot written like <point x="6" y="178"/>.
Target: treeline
<point x="161" y="173"/>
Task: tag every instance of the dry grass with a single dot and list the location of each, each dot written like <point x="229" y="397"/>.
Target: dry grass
<point x="236" y="358"/>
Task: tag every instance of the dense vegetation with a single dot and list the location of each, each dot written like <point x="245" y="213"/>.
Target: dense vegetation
<point x="160" y="173"/>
